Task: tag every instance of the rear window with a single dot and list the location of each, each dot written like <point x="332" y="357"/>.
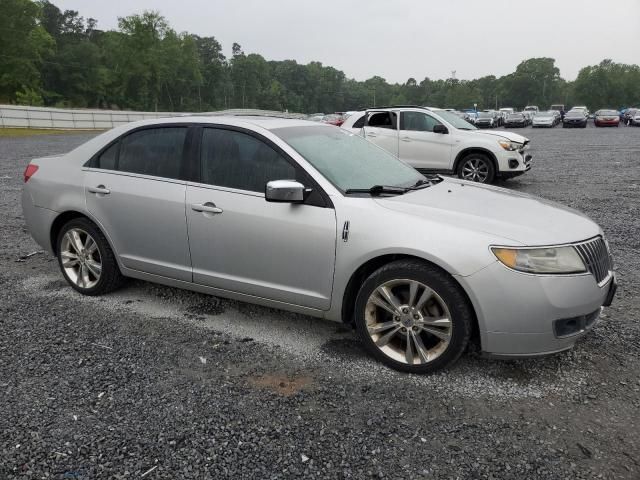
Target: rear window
<point x="154" y="151"/>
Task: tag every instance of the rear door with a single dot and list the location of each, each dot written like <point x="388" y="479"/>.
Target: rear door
<point x="135" y="190"/>
<point x="381" y="128"/>
<point x="242" y="243"/>
<point x="419" y="146"/>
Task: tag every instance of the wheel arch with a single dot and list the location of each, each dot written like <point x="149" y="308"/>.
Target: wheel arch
<point x="371" y="265"/>
<point x="467" y="151"/>
<point x="67" y="216"/>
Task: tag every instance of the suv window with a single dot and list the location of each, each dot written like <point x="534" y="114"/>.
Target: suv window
<point x="383" y="120"/>
<point x="238" y="160"/>
<point x="417" y="121"/>
<point x="360" y="122"/>
<point x="152" y="151"/>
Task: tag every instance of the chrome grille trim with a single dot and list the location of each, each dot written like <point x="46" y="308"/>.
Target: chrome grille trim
<point x="596" y="257"/>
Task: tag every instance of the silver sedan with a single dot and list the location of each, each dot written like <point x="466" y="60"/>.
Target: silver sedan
<point x="314" y="219"/>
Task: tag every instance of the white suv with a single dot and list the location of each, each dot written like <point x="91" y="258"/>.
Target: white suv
<point x="439" y="141"/>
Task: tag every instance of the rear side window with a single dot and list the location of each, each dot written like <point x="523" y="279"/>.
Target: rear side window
<point x="153" y="151"/>
<point x="237" y="160"/>
<point x="359" y="123"/>
<point x="107" y="159"/>
<point x="383" y="120"/>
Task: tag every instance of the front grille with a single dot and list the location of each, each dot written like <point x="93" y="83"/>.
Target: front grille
<point x="595" y="255"/>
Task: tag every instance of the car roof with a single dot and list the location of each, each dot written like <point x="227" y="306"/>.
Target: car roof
<point x="267" y="122"/>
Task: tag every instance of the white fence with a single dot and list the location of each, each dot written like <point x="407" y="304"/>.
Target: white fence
<point x="16" y="116"/>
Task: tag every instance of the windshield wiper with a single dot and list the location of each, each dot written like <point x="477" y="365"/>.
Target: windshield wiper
<point x="379" y="190"/>
<point x="422" y="183"/>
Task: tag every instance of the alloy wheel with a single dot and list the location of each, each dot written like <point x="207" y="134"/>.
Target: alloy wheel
<point x="80" y="258"/>
<point x="476" y="170"/>
<point x="408" y="321"/>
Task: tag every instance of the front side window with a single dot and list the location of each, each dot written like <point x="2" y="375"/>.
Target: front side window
<point x="153" y="151"/>
<point x="417" y="122"/>
<point x="346" y="159"/>
<point x="237" y="160"/>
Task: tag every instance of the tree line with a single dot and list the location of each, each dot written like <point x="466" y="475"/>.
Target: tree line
<point x="59" y="58"/>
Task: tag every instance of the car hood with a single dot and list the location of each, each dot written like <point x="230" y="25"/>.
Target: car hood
<point x="514" y="137"/>
<point x="513" y="216"/>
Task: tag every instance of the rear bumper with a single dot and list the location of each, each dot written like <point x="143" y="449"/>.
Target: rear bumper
<point x="520" y="314"/>
<point x="39" y="221"/>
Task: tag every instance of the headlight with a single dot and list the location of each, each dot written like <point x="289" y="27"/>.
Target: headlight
<point x="511" y="146"/>
<point x="541" y="260"/>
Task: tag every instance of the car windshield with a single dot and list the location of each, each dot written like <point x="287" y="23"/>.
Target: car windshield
<point x="575" y="113"/>
<point x="544" y="114"/>
<point x="485" y="115"/>
<point x="607" y="112"/>
<point x="454" y="120"/>
<point x="346" y="159"/>
<point x="515" y="116"/>
<point x="530" y="109"/>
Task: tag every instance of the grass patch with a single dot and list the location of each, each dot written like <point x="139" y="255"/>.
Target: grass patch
<point x="28" y="132"/>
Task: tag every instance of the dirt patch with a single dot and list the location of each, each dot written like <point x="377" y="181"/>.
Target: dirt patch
<point x="281" y="384"/>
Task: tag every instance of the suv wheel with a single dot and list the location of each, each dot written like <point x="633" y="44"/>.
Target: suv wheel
<point x="86" y="259"/>
<point x="476" y="167"/>
<point x="413" y="317"/>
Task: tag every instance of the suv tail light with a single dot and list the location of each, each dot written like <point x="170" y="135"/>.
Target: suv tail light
<point x="29" y="171"/>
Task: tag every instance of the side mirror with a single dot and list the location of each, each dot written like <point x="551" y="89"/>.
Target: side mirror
<point x="439" y="128"/>
<point x="284" y="191"/>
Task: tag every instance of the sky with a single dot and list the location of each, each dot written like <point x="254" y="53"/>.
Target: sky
<point x="400" y="39"/>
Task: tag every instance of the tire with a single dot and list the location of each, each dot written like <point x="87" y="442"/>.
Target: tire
<point x="476" y="159"/>
<point x="438" y="328"/>
<point x="82" y="247"/>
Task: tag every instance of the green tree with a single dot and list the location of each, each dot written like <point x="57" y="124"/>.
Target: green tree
<point x="24" y="46"/>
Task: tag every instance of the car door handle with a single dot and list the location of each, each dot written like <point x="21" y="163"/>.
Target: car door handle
<point x="208" y="207"/>
<point x="406" y="139"/>
<point x="371" y="135"/>
<point x="101" y="189"/>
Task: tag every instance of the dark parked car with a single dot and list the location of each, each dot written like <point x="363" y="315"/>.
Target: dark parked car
<point x="575" y="118"/>
<point x="607" y="118"/>
<point x="516" y="120"/>
<point x="486" y="120"/>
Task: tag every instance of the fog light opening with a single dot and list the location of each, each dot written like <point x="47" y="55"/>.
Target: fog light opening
<point x="513" y="163"/>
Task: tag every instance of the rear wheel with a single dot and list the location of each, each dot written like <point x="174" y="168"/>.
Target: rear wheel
<point x="413" y="317"/>
<point x="86" y="259"/>
<point x="476" y="167"/>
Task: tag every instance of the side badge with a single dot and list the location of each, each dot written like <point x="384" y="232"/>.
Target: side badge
<point x="345" y="231"/>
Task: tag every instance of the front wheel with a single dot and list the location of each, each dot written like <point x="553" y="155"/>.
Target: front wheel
<point x="86" y="259"/>
<point x="476" y="168"/>
<point x="413" y="317"/>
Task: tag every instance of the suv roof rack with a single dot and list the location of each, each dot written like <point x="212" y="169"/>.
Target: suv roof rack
<point x="394" y="106"/>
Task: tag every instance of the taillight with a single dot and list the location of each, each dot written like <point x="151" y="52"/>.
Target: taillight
<point x="29" y="171"/>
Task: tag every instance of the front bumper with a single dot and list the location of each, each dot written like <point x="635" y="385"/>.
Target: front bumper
<point x="518" y="313"/>
<point x="506" y="162"/>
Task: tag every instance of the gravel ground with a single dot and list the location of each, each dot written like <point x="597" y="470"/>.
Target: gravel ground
<point x="156" y="382"/>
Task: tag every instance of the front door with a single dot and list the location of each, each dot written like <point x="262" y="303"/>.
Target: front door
<point x="135" y="191"/>
<point x="242" y="243"/>
<point x="419" y="146"/>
